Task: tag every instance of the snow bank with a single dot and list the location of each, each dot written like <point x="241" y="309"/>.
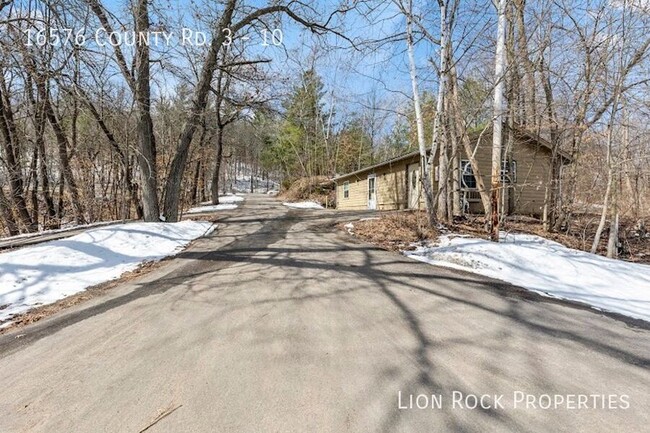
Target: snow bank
<point x="50" y="271"/>
<point x="548" y="268"/>
<point x="304" y="205"/>
<point x="212" y="208"/>
<point x="230" y="198"/>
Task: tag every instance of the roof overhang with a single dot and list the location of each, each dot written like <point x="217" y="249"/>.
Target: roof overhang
<point x="388" y="162"/>
<point x="565" y="157"/>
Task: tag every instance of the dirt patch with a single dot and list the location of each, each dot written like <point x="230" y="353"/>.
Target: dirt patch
<point x="393" y="231"/>
<point x="320" y="189"/>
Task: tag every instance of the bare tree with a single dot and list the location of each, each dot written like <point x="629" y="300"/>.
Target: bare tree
<point x="497" y="124"/>
<point x="425" y="166"/>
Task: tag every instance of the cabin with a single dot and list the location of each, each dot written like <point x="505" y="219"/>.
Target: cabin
<point x="395" y="183"/>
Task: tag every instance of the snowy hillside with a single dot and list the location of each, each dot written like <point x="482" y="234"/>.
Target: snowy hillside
<point x="242" y="184"/>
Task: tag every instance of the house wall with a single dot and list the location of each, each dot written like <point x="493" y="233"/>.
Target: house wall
<point x="533" y="165"/>
<point x="526" y="196"/>
<point x="358" y="198"/>
<point x="533" y="168"/>
<point x="391" y="188"/>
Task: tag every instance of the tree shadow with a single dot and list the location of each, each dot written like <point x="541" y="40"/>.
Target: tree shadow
<point x="305" y="256"/>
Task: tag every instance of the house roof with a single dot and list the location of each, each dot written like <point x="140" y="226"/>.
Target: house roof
<point x="473" y="135"/>
<point x="542" y="141"/>
<point x="391" y="161"/>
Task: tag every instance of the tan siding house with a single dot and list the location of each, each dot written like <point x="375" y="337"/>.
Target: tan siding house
<point x="395" y="184"/>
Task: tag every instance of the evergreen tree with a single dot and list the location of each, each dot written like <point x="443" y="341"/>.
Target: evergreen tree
<point x="300" y="146"/>
<point x="354" y="147"/>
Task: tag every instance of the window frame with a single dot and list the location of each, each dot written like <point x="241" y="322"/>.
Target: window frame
<point x="465" y="163"/>
<point x="508" y="172"/>
<point x="346" y="189"/>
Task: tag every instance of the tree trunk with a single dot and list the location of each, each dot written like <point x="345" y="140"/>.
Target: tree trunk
<point x="194" y="191"/>
<point x="455" y="166"/>
<point x="7" y="215"/>
<point x="175" y="177"/>
<point x="50" y="221"/>
<point x="425" y="172"/>
<point x="497" y="128"/>
<point x="146" y="139"/>
<point x="439" y="129"/>
<point x="12" y="160"/>
<point x="608" y="190"/>
<point x="64" y="159"/>
<point x="126" y="169"/>
<point x="33" y="176"/>
<point x="551" y="194"/>
<point x="612" y="243"/>
<point x="528" y="96"/>
<point x="214" y="185"/>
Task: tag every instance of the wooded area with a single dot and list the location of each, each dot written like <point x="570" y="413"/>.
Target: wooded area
<point x="95" y="126"/>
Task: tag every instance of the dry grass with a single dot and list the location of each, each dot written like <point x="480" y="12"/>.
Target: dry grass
<point x="320" y="189"/>
<point x="395" y="231"/>
<point x="398" y="230"/>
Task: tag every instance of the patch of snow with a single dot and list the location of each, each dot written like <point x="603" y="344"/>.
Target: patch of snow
<point x="243" y="184"/>
<point x="212" y="208"/>
<point x="303" y="205"/>
<point x="230" y="198"/>
<point x="50" y="271"/>
<point x="350" y="228"/>
<point x="226" y="202"/>
<point x="548" y="268"/>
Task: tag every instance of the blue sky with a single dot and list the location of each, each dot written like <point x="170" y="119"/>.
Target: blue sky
<point x="351" y="77"/>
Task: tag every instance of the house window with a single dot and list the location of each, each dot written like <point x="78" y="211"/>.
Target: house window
<point x="509" y="172"/>
<point x="346" y="189"/>
<point x="467" y="179"/>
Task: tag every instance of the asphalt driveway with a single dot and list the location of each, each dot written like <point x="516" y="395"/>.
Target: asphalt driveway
<point x="279" y="323"/>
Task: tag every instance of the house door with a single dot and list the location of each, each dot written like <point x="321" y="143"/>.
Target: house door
<point x="414" y="186"/>
<point x="372" y="191"/>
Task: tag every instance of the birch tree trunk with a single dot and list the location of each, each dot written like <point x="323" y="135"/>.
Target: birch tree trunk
<point x="497" y="125"/>
<point x="608" y="190"/>
<point x="438" y="122"/>
<point x="425" y="171"/>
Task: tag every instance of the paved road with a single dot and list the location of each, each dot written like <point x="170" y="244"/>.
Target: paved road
<point x="278" y="323"/>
